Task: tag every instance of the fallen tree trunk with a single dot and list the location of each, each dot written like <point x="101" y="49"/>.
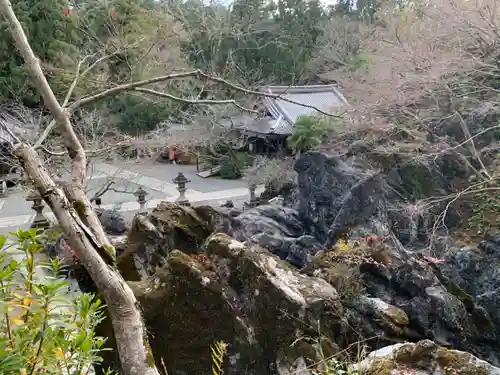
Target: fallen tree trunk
<point x="79" y="221"/>
<point x="135" y="354"/>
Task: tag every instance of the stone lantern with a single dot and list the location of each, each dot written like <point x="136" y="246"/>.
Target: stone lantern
<point x="3" y="189"/>
<point x="254" y="202"/>
<point x="40" y="221"/>
<point x="181" y="182"/>
<point x="141" y="195"/>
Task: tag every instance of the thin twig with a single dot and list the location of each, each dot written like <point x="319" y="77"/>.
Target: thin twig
<point x="71" y="89"/>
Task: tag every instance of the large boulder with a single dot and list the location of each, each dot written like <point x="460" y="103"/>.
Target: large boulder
<point x="277" y="229"/>
<point x="332" y="198"/>
<point x="266" y="311"/>
<point x="152" y="238"/>
<point x="477" y="273"/>
<point x="112" y="221"/>
<point x="423" y="358"/>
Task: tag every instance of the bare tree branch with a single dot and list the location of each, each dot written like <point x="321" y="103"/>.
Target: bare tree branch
<point x="71" y="89"/>
<point x="195" y="73"/>
<point x="127" y="87"/>
<point x="195" y="101"/>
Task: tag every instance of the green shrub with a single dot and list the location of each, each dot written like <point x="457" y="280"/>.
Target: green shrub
<point x="244" y="159"/>
<point x="309" y="132"/>
<point x="137" y="115"/>
<point x="230" y="170"/>
<point x="43" y="328"/>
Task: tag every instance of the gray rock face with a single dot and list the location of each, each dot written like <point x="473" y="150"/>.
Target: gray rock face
<point x="332" y="197"/>
<point x="477" y="272"/>
<point x="330" y="200"/>
<point x="437" y="308"/>
<point x="277" y="229"/>
<point x="243" y="295"/>
<point x="112" y="221"/>
<point x="150" y="239"/>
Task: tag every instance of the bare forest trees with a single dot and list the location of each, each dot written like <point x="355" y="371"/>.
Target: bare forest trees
<point x="431" y="50"/>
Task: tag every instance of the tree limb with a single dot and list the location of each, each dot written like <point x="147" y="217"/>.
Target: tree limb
<point x="127" y="322"/>
<point x="71" y="89"/>
<point x="194" y="101"/>
<point x="136" y="86"/>
<point x="61" y="116"/>
<point x="267" y="95"/>
<point x="87" y="152"/>
<point x="127" y="87"/>
<point x="70" y="139"/>
<point x="195" y="73"/>
<point x="79" y="221"/>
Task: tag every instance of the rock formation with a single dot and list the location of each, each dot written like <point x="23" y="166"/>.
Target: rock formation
<point x="244" y="296"/>
<point x="342" y="266"/>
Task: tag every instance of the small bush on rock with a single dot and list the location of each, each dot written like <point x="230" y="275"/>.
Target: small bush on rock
<point x="345" y="281"/>
<point x="342" y="274"/>
<point x="44" y="328"/>
<point x="485" y="215"/>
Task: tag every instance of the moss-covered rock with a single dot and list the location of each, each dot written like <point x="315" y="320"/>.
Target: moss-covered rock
<point x="268" y="313"/>
<point x="170" y="226"/>
<point x="185" y="228"/>
<point x="425" y="356"/>
<point x="392" y="319"/>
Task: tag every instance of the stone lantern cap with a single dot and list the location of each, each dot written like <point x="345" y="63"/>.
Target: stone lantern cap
<point x="140" y="193"/>
<point x="180" y="179"/>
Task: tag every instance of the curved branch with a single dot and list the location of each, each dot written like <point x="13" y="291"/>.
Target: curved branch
<point x="195" y="73"/>
<point x="194" y="101"/>
<point x="127" y="87"/>
<point x="267" y="95"/>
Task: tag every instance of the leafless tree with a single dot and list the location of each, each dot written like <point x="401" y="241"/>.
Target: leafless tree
<point x="273" y="173"/>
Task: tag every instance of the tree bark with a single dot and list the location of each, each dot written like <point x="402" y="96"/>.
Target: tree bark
<point x="135" y="355"/>
<point x="79" y="221"/>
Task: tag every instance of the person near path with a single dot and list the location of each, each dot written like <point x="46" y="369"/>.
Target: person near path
<point x="171" y="155"/>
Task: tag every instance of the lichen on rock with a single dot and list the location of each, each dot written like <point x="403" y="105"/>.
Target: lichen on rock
<point x="426" y="357"/>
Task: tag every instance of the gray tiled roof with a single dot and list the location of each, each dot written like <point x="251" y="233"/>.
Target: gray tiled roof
<point x="324" y="97"/>
<point x="284" y="114"/>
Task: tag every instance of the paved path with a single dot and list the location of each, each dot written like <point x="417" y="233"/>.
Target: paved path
<point x="156" y="179"/>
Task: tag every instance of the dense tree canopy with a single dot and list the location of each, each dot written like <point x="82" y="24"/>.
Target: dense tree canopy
<point x="253" y="41"/>
<point x="62" y="33"/>
<point x="250" y="42"/>
<point x="53" y="33"/>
